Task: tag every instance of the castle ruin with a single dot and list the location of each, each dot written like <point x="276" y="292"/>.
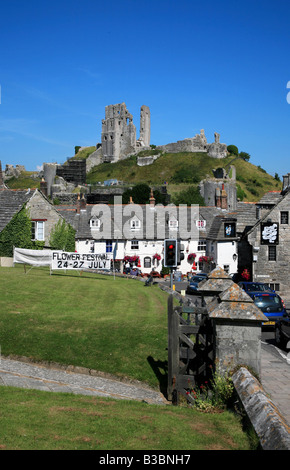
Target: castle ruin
<point x="197" y="144"/>
<point x="119" y="132"/>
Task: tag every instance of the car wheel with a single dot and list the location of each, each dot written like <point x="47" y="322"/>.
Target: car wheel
<point x="279" y="337"/>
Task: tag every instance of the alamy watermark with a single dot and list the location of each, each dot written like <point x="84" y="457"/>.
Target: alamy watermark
<point x="288" y="94"/>
<point x="148" y="222"/>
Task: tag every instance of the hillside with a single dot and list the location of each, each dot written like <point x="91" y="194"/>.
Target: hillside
<point x="181" y="170"/>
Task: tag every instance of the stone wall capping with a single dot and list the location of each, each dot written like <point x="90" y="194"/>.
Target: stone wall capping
<point x="269" y="424"/>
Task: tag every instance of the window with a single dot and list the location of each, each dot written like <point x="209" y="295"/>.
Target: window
<point x="135" y="224"/>
<point x="173" y="224"/>
<point x="134" y="244"/>
<point x="37" y="230"/>
<point x="201" y="245"/>
<point x="109" y="246"/>
<point x="284" y="217"/>
<point x="272" y="253"/>
<point x="95" y="223"/>
<point x="274" y="286"/>
<point x="200" y="224"/>
<point x="147" y="262"/>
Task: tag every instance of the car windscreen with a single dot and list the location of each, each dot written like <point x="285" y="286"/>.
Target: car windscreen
<point x="266" y="302"/>
<point x="257" y="287"/>
<point x="197" y="278"/>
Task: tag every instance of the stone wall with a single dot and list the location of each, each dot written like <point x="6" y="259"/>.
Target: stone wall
<point x="197" y="144"/>
<point x="277" y="271"/>
<point x="40" y="209"/>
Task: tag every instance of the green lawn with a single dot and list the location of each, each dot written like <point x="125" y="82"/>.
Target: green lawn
<point x="93" y="321"/>
<point x="37" y="420"/>
<point x="116" y="326"/>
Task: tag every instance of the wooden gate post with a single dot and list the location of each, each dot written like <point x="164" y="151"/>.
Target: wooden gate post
<point x="173" y="348"/>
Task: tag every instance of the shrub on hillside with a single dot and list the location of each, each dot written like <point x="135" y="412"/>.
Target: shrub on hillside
<point x="233" y="150"/>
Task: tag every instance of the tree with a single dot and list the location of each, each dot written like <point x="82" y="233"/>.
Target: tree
<point x="140" y="194"/>
<point x="245" y="156"/>
<point x="189" y="196"/>
<point x="232" y="149"/>
<point x="17" y="233"/>
<point x="62" y="237"/>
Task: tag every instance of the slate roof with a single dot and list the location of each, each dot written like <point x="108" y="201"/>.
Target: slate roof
<point x="270" y="198"/>
<point x="11" y="202"/>
<point x="81" y="221"/>
<point x="246" y="216"/>
<point x="278" y="200"/>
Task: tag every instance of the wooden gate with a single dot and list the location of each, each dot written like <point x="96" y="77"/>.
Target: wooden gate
<point x="190" y="349"/>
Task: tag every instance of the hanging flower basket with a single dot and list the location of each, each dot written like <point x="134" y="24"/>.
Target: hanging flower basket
<point x="191" y="257"/>
<point x="205" y="259"/>
<point x="157" y="257"/>
<point x="245" y="275"/>
<point x="131" y="259"/>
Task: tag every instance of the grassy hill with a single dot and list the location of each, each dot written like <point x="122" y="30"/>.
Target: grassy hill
<point x="181" y="170"/>
<point x="26" y="180"/>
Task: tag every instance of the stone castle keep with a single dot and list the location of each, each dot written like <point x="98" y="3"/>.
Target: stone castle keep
<point x="119" y="137"/>
<point x="119" y="132"/>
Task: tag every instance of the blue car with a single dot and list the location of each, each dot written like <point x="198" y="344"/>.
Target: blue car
<point x="194" y="281"/>
<point x="271" y="305"/>
<point x="254" y="287"/>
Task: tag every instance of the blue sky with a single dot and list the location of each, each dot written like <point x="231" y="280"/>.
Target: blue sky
<point x="222" y="66"/>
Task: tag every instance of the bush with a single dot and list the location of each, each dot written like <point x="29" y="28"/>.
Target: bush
<point x="186" y="175"/>
<point x="17" y="233"/>
<point x="189" y="196"/>
<point x="62" y="237"/>
<point x="233" y="150"/>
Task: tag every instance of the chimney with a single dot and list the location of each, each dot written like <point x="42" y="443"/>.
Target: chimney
<point x="218" y="197"/>
<point x="224" y="198"/>
<point x="152" y="199"/>
<point x="83" y="203"/>
<point x="78" y="209"/>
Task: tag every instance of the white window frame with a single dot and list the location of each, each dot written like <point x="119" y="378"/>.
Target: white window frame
<point x="39" y="228"/>
<point x="201" y="245"/>
<point x="200" y="224"/>
<point x="173" y="224"/>
<point x="95" y="223"/>
<point x="135" y="224"/>
<point x="135" y="245"/>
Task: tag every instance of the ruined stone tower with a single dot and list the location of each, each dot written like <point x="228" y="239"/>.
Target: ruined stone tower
<point x="118" y="133"/>
<point x="145" y="126"/>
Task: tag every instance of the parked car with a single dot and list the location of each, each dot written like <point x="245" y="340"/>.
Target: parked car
<point x="282" y="330"/>
<point x="194" y="281"/>
<point x="271" y="305"/>
<point x="254" y="287"/>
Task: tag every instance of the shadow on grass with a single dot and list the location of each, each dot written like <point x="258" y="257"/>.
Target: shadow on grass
<point x="160" y="369"/>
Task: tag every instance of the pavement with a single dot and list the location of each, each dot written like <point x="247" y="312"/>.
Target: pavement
<point x="23" y="374"/>
<point x="275" y="379"/>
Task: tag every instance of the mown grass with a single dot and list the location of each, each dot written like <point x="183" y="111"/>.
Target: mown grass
<point x="34" y="420"/>
<point x="116" y="326"/>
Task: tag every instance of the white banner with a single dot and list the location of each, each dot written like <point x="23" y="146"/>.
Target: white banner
<point x="32" y="257"/>
<point x="64" y="260"/>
